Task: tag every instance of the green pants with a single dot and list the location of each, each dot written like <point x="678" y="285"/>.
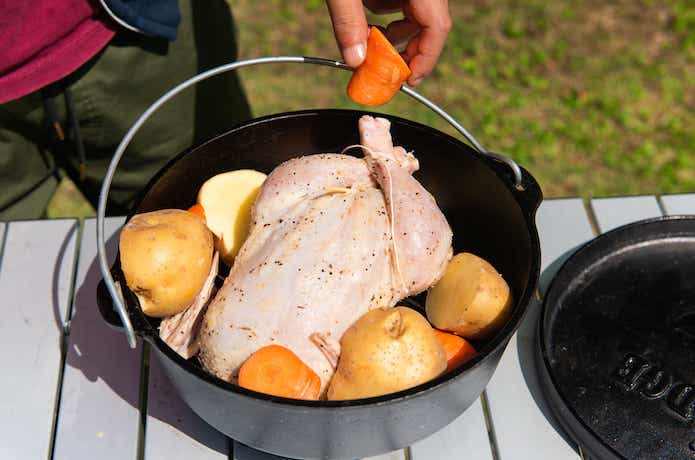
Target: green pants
<point x="108" y="94"/>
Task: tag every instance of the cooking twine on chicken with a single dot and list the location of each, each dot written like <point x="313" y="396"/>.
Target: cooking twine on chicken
<point x="381" y="155"/>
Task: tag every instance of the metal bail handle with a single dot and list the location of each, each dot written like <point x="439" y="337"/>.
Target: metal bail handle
<point x="114" y="291"/>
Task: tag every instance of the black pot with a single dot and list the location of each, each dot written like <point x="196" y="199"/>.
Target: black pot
<point x="489" y="216"/>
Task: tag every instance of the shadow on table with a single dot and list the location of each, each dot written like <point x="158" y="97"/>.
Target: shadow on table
<point x="244" y="452"/>
<point x="102" y="352"/>
<point x="527" y="337"/>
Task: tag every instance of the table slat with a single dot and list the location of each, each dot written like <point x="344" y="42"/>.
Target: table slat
<point x="614" y="212"/>
<point x="465" y="437"/>
<point x="2" y="236"/>
<point x="554" y="219"/>
<point x="99" y="407"/>
<point x="174" y="431"/>
<point x="679" y="204"/>
<point x="35" y="281"/>
<point x="524" y="426"/>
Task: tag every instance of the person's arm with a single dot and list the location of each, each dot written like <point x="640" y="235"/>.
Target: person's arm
<point x="425" y="27"/>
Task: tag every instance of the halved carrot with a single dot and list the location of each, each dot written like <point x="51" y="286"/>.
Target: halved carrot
<point x="198" y="210"/>
<point x="457" y="349"/>
<point x="381" y="75"/>
<point x="276" y="370"/>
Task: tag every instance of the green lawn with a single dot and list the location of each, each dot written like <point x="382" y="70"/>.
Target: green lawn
<point x="594" y="98"/>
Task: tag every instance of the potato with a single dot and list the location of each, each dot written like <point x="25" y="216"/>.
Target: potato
<point x="386" y="350"/>
<point x="471" y="300"/>
<point x="227" y="199"/>
<point x="165" y="256"/>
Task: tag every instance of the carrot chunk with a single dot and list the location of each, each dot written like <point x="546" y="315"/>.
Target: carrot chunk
<point x="198" y="210"/>
<point x="457" y="349"/>
<point x="276" y="370"/>
<point x="381" y="75"/>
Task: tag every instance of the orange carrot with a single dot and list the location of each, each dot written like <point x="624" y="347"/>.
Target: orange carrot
<point x="457" y="349"/>
<point x="277" y="371"/>
<point x="198" y="210"/>
<point x="381" y="75"/>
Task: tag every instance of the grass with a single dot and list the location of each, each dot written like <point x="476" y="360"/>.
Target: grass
<point x="594" y="98"/>
<point x="68" y="201"/>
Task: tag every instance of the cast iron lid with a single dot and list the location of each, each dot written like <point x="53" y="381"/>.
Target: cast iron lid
<point x="617" y="342"/>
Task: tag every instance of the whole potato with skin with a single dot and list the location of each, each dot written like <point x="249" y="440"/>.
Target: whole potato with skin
<point x="385" y="351"/>
<point x="165" y="256"/>
<point x="471" y="299"/>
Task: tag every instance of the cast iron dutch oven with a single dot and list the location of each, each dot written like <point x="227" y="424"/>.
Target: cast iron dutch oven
<point x="490" y="207"/>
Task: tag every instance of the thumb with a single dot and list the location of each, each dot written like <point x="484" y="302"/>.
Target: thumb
<point x="350" y="28"/>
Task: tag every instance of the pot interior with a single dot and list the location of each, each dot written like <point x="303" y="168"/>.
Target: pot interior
<point x="485" y="212"/>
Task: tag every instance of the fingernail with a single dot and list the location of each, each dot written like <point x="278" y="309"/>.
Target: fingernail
<point x="416" y="81"/>
<point x="354" y="55"/>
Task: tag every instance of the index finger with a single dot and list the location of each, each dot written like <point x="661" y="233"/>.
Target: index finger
<point x="350" y="28"/>
<point x="430" y="42"/>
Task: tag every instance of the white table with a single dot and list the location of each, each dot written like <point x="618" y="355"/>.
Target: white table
<point x="72" y="389"/>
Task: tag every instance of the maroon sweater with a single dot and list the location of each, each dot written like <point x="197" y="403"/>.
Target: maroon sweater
<point x="42" y="41"/>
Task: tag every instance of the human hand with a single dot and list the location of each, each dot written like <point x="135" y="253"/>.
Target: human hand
<point x="423" y="30"/>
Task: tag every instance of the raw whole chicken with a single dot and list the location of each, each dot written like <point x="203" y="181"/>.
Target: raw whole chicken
<point x="332" y="236"/>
